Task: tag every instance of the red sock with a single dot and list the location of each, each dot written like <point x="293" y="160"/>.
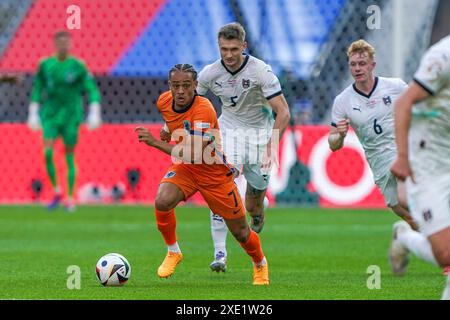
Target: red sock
<point x="165" y="220"/>
<point x="253" y="247"/>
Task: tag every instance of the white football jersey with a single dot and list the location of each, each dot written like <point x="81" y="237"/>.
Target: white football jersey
<point x="430" y="127"/>
<point x="244" y="94"/>
<point x="372" y="118"/>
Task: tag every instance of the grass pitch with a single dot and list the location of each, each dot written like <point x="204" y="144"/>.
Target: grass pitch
<point x="312" y="254"/>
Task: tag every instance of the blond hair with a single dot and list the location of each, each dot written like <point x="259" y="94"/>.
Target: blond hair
<point x="361" y="46"/>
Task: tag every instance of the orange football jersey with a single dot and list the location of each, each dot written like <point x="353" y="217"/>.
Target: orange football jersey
<point x="199" y="117"/>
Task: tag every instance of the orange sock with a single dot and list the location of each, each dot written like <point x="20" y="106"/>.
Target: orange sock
<point x="253" y="247"/>
<point x="165" y="220"/>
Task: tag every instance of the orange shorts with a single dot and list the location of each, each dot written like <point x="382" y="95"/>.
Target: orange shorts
<point x="220" y="192"/>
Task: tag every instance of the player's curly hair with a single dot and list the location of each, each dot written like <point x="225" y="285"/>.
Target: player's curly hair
<point x="185" y="67"/>
<point x="232" y="31"/>
<point x="360" y="46"/>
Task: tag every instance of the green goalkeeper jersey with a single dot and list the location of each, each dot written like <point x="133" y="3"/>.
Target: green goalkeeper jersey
<point x="58" y="88"/>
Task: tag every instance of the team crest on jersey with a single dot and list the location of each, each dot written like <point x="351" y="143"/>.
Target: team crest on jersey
<point x="170" y="174"/>
<point x="427" y="216"/>
<point x="435" y="68"/>
<point x="245" y="83"/>
<point x="187" y="125"/>
<point x="387" y="100"/>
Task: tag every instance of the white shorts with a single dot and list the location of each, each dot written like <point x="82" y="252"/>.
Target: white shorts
<point x="389" y="189"/>
<point x="255" y="177"/>
<point x="429" y="202"/>
<point x="245" y="148"/>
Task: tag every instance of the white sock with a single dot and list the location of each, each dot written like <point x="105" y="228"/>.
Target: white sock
<point x="446" y="294"/>
<point x="266" y="203"/>
<point x="262" y="263"/>
<point x="219" y="232"/>
<point x="241" y="183"/>
<point x="417" y="244"/>
<point x="174" y="247"/>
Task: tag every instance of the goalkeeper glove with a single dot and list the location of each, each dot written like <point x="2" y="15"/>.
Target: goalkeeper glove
<point x="94" y="119"/>
<point x="34" y="122"/>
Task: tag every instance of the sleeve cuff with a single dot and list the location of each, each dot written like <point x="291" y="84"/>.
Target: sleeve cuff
<point x="274" y="95"/>
<point x="424" y="86"/>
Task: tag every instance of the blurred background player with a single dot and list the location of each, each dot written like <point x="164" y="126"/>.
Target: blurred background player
<point x="367" y="105"/>
<point x="56" y="106"/>
<point x="186" y="112"/>
<point x="422" y="127"/>
<point x="249" y="91"/>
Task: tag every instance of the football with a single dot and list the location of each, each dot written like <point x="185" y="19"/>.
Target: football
<point x="113" y="269"/>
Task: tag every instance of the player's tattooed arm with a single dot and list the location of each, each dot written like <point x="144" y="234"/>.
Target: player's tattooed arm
<point x="164" y="134"/>
<point x="145" y="136"/>
<point x="189" y="150"/>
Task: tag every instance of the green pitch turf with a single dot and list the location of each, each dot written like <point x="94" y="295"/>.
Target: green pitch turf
<point x="312" y="254"/>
